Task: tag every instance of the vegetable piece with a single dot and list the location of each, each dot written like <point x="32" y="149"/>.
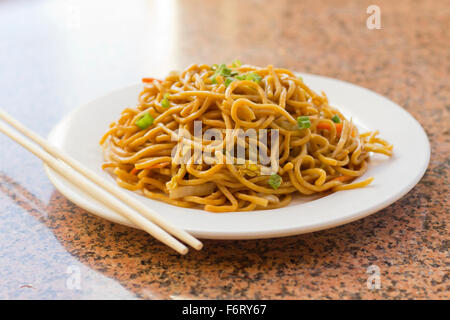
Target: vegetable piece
<point x="323" y="126"/>
<point x="250" y="77"/>
<point x="159" y="165"/>
<point x="223" y="71"/>
<point x="165" y="101"/>
<point x="326" y="126"/>
<point x="303" y="122"/>
<point x="254" y="77"/>
<point x="185" y="191"/>
<point x="272" y="198"/>
<point x="339" y="127"/>
<point x="336" y="119"/>
<point x="236" y="63"/>
<point x="150" y="80"/>
<point x="145" y="121"/>
<point x="228" y="81"/>
<point x="275" y="181"/>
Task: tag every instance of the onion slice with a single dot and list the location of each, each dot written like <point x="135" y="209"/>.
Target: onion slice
<point x="185" y="191"/>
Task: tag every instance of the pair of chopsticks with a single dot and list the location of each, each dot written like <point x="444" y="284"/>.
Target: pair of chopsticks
<point x="97" y="187"/>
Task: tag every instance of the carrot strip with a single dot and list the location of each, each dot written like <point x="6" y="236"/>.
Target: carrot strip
<point x="159" y="165"/>
<point x="323" y="126"/>
<point x="150" y="80"/>
<point x="326" y="126"/>
<point x="155" y="166"/>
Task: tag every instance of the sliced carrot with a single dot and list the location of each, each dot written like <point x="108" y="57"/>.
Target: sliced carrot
<point x="150" y="80"/>
<point x="326" y="126"/>
<point x="159" y="165"/>
<point x="155" y="166"/>
<point x="339" y="126"/>
<point x="323" y="126"/>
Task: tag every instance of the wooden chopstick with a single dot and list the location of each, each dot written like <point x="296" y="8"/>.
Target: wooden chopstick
<point x="99" y="188"/>
<point x="112" y="188"/>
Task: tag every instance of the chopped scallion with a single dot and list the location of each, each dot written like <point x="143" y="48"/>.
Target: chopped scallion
<point x="250" y="77"/>
<point x="145" y="121"/>
<point x="303" y="122"/>
<point x="228" y="81"/>
<point x="336" y="119"/>
<point x="221" y="70"/>
<point x="165" y="101"/>
<point x="275" y="181"/>
<point x="254" y="77"/>
<point x="236" y="63"/>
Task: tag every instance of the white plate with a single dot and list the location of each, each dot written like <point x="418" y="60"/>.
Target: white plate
<point x="79" y="134"/>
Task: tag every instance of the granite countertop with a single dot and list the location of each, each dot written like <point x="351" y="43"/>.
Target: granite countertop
<point x="56" y="55"/>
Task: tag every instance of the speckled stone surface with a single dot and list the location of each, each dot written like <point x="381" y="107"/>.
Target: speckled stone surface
<point x="56" y="55"/>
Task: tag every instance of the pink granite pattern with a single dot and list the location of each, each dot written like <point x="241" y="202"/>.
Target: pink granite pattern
<point x="44" y="237"/>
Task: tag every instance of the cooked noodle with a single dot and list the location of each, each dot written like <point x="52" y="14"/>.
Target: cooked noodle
<point x="319" y="149"/>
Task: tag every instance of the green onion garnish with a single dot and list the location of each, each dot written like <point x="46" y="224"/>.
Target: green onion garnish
<point x="222" y="70"/>
<point x="336" y="119"/>
<point x="145" y="121"/>
<point x="236" y="63"/>
<point x="250" y="77"/>
<point x="228" y="81"/>
<point x="275" y="181"/>
<point x="303" y="122"/>
<point x="165" y="102"/>
<point x="254" y="77"/>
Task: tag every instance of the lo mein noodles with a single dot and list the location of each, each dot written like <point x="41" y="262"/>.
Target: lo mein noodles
<point x="317" y="149"/>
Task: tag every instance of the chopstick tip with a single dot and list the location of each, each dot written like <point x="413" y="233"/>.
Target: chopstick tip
<point x="198" y="245"/>
<point x="183" y="251"/>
